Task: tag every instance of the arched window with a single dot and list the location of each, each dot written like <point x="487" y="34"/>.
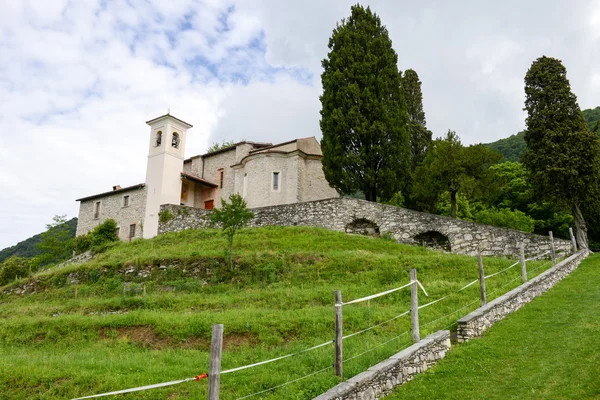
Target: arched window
<point x="175" y="140"/>
<point x="158" y="138"/>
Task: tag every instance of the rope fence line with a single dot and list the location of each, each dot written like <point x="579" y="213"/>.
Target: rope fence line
<point x="277" y="358"/>
<point x="374" y="296"/>
<point x="504" y="270"/>
<point x="449" y="314"/>
<point x="375" y="326"/>
<point x="375" y="347"/>
<point x="147" y="387"/>
<point x="286" y="383"/>
<point x="538" y="256"/>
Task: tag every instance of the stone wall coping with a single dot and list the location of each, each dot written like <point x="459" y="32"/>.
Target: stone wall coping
<point x="371" y="374"/>
<point x="390" y="207"/>
<point x="506" y="296"/>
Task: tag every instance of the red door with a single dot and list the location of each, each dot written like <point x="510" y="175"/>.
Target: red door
<point x="209" y="204"/>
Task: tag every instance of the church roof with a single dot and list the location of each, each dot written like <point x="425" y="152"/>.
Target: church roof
<point x="198" y="179"/>
<point x="169" y="115"/>
<point x="122" y="190"/>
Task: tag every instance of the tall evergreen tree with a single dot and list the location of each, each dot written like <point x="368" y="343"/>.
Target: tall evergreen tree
<point x="363" y="115"/>
<point x="563" y="156"/>
<point x="419" y="136"/>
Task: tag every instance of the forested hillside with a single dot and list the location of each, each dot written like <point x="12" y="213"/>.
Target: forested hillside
<point x="513" y="147"/>
<point x="29" y="247"/>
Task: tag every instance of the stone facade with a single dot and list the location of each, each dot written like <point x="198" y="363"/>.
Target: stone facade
<point x="475" y="323"/>
<point x="380" y="379"/>
<point x="263" y="173"/>
<point x="406" y="226"/>
<point x="113" y="205"/>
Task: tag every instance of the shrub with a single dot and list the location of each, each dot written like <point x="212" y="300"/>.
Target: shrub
<point x="13" y="268"/>
<point x="164" y="216"/>
<point x="506" y="218"/>
<point x="99" y="238"/>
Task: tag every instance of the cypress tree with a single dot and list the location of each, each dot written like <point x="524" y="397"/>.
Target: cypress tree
<point x="419" y="136"/>
<point x="562" y="155"/>
<point x="363" y="114"/>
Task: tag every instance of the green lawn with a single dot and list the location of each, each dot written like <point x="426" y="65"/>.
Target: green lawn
<point x="547" y="350"/>
<point x="113" y="331"/>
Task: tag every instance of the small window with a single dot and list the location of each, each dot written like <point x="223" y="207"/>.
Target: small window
<point x="126" y="201"/>
<point x="158" y="138"/>
<point x="275" y="180"/>
<point x="175" y="140"/>
<point x="118" y="232"/>
<point x="131" y="231"/>
<point x="221" y="173"/>
<point x="97" y="209"/>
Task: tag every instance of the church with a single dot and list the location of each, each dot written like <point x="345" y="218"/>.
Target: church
<point x="265" y="174"/>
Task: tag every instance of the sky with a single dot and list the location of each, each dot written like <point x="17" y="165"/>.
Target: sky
<point x="78" y="80"/>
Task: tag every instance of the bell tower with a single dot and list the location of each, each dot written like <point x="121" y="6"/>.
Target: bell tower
<point x="165" y="165"/>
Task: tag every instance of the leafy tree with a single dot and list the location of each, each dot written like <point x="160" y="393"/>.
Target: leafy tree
<point x="419" y="136"/>
<point x="563" y="156"/>
<point x="231" y="217"/>
<point x="463" y="206"/>
<point x="13" y="268"/>
<point x="363" y="114"/>
<point x="507" y="218"/>
<point x="216" y="146"/>
<point x="451" y="167"/>
<point x="57" y="242"/>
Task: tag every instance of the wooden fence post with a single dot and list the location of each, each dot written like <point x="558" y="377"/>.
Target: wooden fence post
<point x="573" y="241"/>
<point x="414" y="306"/>
<point x="339" y="371"/>
<point x="553" y="251"/>
<point x="481" y="280"/>
<point x="523" y="263"/>
<point x="214" y="368"/>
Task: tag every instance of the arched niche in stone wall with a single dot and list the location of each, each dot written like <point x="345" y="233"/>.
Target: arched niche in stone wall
<point x="434" y="240"/>
<point x="362" y="226"/>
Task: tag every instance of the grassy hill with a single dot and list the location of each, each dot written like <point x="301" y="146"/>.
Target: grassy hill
<point x="547" y="350"/>
<point x="141" y="313"/>
<point x="514" y="146"/>
<point x="28" y="247"/>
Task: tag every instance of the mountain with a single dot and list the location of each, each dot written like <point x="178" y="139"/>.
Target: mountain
<point x="28" y="247"/>
<point x="513" y="147"/>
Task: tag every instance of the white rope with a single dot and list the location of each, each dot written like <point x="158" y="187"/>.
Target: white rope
<point x="286" y="383"/>
<point x="499" y="272"/>
<point x="276" y="359"/>
<point x="467" y="285"/>
<point x="373" y="296"/>
<point x="538" y="256"/>
<point x="449" y="314"/>
<point x="137" y="389"/>
<point x="432" y="302"/>
<point x="375" y="326"/>
<point x="373" y="348"/>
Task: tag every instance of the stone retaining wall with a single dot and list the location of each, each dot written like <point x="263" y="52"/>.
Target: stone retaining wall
<point x="475" y="323"/>
<point x="380" y="379"/>
<point x="406" y="226"/>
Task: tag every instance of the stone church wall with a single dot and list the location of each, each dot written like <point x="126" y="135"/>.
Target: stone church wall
<point x="342" y="214"/>
<point x="111" y="206"/>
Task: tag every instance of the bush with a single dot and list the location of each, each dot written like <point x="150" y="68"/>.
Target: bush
<point x="99" y="238"/>
<point x="13" y="268"/>
<point x="506" y="218"/>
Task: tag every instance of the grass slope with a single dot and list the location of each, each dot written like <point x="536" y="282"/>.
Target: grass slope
<point x="116" y="329"/>
<point x="547" y="350"/>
